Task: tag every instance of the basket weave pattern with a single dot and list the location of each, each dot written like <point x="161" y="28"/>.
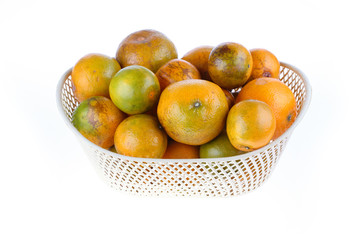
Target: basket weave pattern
<point x="196" y="177"/>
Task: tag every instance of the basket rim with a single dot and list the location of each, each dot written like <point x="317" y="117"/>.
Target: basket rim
<point x="287" y="133"/>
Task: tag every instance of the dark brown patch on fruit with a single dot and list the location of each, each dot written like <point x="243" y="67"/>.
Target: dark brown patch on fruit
<point x="224" y="49"/>
<point x="97" y="119"/>
<point x="147" y="48"/>
<point x="230" y="65"/>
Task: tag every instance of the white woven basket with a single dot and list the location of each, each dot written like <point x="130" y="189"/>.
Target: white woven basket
<point x="188" y="177"/>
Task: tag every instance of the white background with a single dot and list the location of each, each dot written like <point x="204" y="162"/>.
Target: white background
<point x="48" y="188"/>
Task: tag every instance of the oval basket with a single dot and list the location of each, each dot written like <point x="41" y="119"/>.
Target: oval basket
<point x="188" y="177"/>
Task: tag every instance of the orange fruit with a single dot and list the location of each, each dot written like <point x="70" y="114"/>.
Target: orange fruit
<point x="192" y="112"/>
<point x="277" y="95"/>
<point x="176" y="150"/>
<point x="229" y="97"/>
<point x="250" y="125"/>
<point x="230" y="65"/>
<point x="199" y="57"/>
<point x="265" y="64"/>
<point x="97" y="119"/>
<point x="176" y="70"/>
<point x="92" y="74"/>
<point x="140" y="136"/>
<point x="219" y="147"/>
<point x="148" y="48"/>
<point x="134" y="89"/>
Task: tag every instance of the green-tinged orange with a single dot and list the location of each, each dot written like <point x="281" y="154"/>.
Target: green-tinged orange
<point x="192" y="112"/>
<point x="97" y="119"/>
<point x="92" y="74"/>
<point x="250" y="125"/>
<point x="219" y="147"/>
<point x="134" y="89"/>
<point x="148" y="48"/>
<point x="140" y="136"/>
<point x="230" y="65"/>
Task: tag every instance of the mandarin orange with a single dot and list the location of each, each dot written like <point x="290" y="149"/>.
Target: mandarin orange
<point x="176" y="70"/>
<point x="96" y="119"/>
<point x="176" y="150"/>
<point x="147" y="48"/>
<point x="140" y="136"/>
<point x="277" y="95"/>
<point x="192" y="112"/>
<point x="265" y="64"/>
<point x="250" y="125"/>
<point x="230" y="65"/>
<point x="199" y="57"/>
<point x="92" y="74"/>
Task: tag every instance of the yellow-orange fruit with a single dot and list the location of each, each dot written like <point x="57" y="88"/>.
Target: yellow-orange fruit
<point x="199" y="57"/>
<point x="250" y="125"/>
<point x="140" y="136"/>
<point x="192" y="111"/>
<point x="277" y="95"/>
<point x="92" y="74"/>
<point x="176" y="150"/>
<point x="265" y="64"/>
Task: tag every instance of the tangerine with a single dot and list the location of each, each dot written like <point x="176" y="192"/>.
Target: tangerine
<point x="250" y="125"/>
<point x="134" y="89"/>
<point x="265" y="64"/>
<point x="148" y="48"/>
<point x="176" y="150"/>
<point x="92" y="74"/>
<point x="230" y="65"/>
<point x="192" y="111"/>
<point x="219" y="147"/>
<point x="176" y="70"/>
<point x="199" y="57"/>
<point x="97" y="119"/>
<point x="277" y="95"/>
<point x="140" y="136"/>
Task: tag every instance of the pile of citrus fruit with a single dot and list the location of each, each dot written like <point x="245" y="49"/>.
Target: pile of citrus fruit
<point x="214" y="102"/>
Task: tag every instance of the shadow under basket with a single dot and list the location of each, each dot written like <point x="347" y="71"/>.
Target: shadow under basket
<point x="227" y="176"/>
